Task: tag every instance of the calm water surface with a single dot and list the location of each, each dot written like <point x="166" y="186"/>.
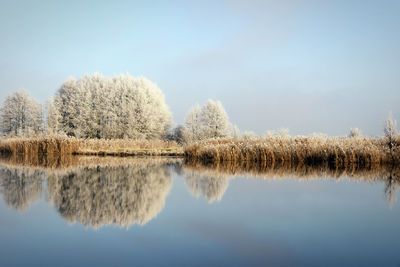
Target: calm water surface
<point x="155" y="212"/>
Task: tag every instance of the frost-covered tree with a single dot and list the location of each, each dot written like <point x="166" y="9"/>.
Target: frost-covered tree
<point x="193" y="128"/>
<point x="391" y="132"/>
<point x="355" y="132"/>
<point x="119" y="107"/>
<point x="249" y="135"/>
<point x="210" y="121"/>
<point x="215" y="120"/>
<point x="235" y="131"/>
<point x="53" y="117"/>
<point x="21" y="115"/>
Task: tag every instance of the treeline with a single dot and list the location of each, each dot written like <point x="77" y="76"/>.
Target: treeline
<point x="124" y="107"/>
<point x="97" y="107"/>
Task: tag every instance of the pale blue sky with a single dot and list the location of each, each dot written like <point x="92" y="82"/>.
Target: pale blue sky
<point x="310" y="66"/>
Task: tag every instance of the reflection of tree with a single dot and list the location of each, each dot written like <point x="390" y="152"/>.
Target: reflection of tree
<point x="392" y="184"/>
<point x="211" y="187"/>
<point x="20" y="187"/>
<point x="121" y="195"/>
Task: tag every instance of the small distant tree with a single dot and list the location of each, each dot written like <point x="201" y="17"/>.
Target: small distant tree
<point x="284" y="132"/>
<point x="176" y="134"/>
<point x="192" y="129"/>
<point x="269" y="134"/>
<point x="391" y="132"/>
<point x="53" y="117"/>
<point x="21" y="115"/>
<point x="210" y="121"/>
<point x="249" y="135"/>
<point x="215" y="120"/>
<point x="235" y="131"/>
<point x="355" y="132"/>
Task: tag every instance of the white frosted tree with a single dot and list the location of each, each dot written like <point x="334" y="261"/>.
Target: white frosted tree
<point x="119" y="107"/>
<point x="215" y="120"/>
<point x="192" y="130"/>
<point x="209" y="121"/>
<point x="21" y="115"/>
<point x="235" y="132"/>
<point x="355" y="133"/>
<point x="53" y="117"/>
<point x="391" y="132"/>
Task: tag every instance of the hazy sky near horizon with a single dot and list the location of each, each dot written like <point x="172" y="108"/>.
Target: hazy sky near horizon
<point x="310" y="66"/>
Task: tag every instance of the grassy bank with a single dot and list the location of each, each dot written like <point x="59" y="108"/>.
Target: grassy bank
<point x="93" y="147"/>
<point x="340" y="151"/>
<point x="312" y="150"/>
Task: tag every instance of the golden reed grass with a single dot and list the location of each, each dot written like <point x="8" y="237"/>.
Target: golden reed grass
<point x="53" y="146"/>
<point x="340" y="151"/>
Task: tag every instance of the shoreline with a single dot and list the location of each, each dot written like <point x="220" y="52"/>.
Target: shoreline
<point x="338" y="151"/>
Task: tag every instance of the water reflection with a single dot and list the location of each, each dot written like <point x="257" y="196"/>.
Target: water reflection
<point x="392" y="181"/>
<point x="212" y="180"/>
<point x="95" y="191"/>
<point x="122" y="195"/>
<point x="92" y="191"/>
<point x="211" y="187"/>
<point x="21" y="186"/>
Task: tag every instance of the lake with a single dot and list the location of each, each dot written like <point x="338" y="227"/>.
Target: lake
<point x="163" y="212"/>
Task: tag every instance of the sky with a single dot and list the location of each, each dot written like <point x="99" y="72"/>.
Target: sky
<point x="309" y="66"/>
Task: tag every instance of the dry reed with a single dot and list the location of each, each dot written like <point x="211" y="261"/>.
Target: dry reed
<point x="31" y="147"/>
<point x="340" y="151"/>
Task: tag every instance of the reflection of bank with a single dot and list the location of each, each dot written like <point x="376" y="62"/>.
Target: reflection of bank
<point x="95" y="195"/>
<point x="121" y="191"/>
<point x="212" y="180"/>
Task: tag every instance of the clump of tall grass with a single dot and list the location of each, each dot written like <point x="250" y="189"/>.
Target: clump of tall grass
<point x="31" y="147"/>
<point x="38" y="146"/>
<point x="271" y="149"/>
<point x="126" y="147"/>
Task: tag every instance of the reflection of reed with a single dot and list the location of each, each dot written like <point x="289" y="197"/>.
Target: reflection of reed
<point x="40" y="162"/>
<point x="63" y="162"/>
<point x="221" y="172"/>
<point x="20" y="187"/>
